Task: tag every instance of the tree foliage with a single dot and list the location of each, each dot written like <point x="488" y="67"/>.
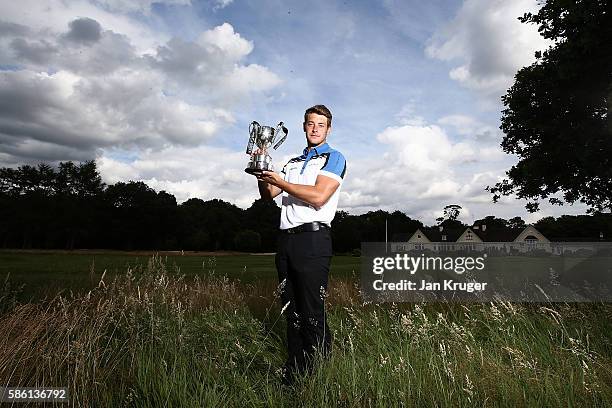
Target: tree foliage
<point x="451" y="212"/>
<point x="248" y="241"/>
<point x="493" y="222"/>
<point x="557" y="113"/>
<point x="594" y="227"/>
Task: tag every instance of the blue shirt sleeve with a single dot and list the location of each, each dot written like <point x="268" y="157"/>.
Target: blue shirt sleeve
<point x="335" y="166"/>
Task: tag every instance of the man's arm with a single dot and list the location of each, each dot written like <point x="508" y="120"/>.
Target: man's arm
<point x="316" y="195"/>
<point x="267" y="191"/>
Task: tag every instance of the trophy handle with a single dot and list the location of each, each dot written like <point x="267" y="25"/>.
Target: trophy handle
<point x="281" y="128"/>
<point x="254" y="129"/>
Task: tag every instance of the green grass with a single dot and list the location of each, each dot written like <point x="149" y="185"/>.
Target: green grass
<point x="150" y="337"/>
<point x="47" y="273"/>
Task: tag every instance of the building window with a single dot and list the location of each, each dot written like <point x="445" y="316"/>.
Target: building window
<point x="531" y="241"/>
<point x="468" y="236"/>
<point x="443" y="237"/>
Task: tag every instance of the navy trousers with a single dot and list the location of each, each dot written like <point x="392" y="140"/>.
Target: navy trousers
<point x="302" y="262"/>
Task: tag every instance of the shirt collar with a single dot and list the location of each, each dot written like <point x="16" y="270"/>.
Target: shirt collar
<point x="309" y="154"/>
<point x="316" y="150"/>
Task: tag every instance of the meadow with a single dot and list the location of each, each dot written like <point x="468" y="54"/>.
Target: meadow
<point x="195" y="331"/>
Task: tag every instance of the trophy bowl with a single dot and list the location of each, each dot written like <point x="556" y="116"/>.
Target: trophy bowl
<point x="263" y="137"/>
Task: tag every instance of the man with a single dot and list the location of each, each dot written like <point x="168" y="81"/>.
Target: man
<point x="310" y="186"/>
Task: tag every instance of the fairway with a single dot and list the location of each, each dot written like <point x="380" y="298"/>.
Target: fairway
<point x="47" y="273"/>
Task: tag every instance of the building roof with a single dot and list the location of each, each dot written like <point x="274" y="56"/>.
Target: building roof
<point x="401" y="236"/>
<point x="491" y="234"/>
<point x="497" y="234"/>
<point x="435" y="235"/>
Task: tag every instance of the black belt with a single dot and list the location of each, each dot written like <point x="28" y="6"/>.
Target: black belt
<point x="308" y="227"/>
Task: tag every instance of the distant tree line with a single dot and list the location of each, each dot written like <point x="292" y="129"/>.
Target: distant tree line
<point x="69" y="207"/>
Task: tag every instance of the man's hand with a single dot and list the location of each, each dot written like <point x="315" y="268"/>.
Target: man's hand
<point x="270" y="177"/>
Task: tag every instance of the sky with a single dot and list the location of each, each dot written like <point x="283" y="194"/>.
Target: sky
<point x="164" y="92"/>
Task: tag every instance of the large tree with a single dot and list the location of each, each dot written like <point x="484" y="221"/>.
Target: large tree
<point x="451" y="212"/>
<point x="557" y="113"/>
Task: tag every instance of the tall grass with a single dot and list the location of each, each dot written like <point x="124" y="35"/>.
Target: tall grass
<point x="151" y="338"/>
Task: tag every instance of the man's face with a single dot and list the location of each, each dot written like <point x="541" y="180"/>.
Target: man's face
<point x="316" y="129"/>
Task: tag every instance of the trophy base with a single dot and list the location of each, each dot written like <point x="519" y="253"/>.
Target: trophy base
<point x="253" y="171"/>
<point x="258" y="164"/>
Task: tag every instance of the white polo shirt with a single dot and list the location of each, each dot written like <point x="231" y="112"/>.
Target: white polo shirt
<point x="304" y="169"/>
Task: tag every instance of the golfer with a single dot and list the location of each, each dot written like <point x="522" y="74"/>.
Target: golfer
<point x="310" y="186"/>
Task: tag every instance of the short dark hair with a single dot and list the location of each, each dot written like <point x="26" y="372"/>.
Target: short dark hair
<point x="319" y="110"/>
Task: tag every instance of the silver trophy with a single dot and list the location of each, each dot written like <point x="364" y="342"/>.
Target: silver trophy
<point x="263" y="137"/>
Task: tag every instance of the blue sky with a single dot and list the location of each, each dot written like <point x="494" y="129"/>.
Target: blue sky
<point x="164" y="92"/>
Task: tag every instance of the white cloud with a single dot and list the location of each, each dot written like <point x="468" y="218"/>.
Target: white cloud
<point x="124" y="109"/>
<point x="141" y="6"/>
<point x="103" y="55"/>
<point x="88" y="88"/>
<point x="421" y="168"/>
<point x="444" y="189"/>
<point x="473" y="190"/>
<point x="407" y="115"/>
<point x="51" y="17"/>
<point x="220" y="4"/>
<point x="213" y="62"/>
<point x="357" y="199"/>
<point x="489" y="43"/>
<point x="223" y="37"/>
<point x="426" y="149"/>
<point x="415" y="172"/>
<point x="464" y="125"/>
<point x="251" y="78"/>
<point x="202" y="172"/>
